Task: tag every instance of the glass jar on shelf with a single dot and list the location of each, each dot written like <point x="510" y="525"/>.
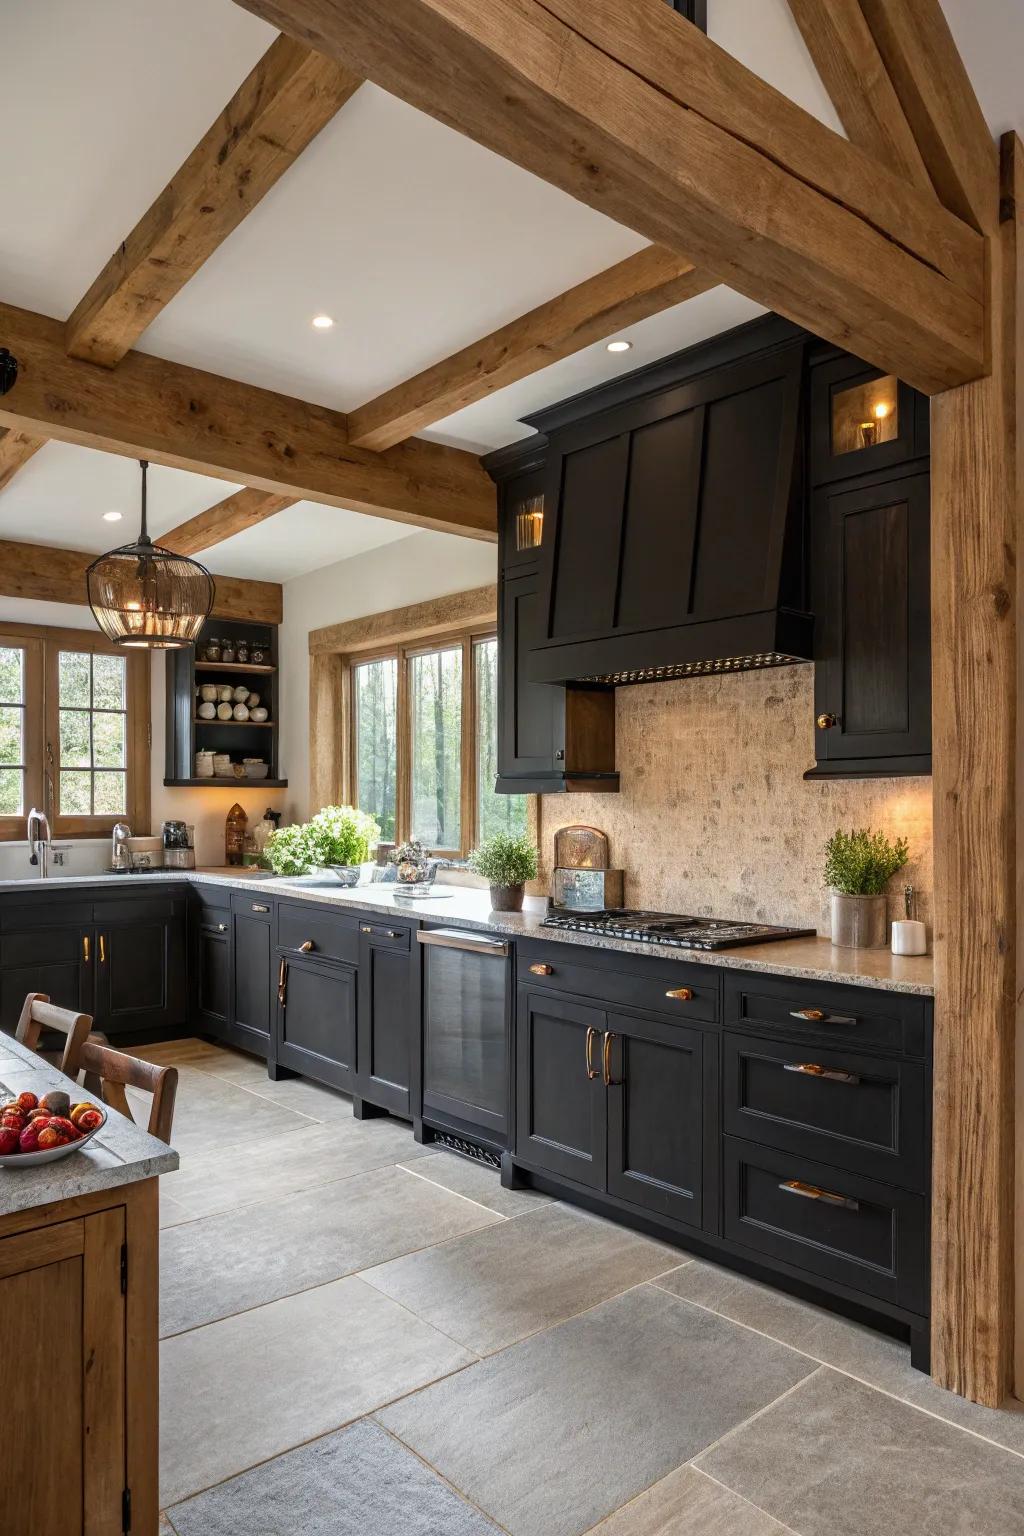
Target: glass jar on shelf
<point x="242" y="652"/>
<point x="211" y="651"/>
<point x="259" y="654"/>
<point x="227" y="651"/>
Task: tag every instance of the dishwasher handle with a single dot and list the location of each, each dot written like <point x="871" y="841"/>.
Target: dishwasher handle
<point x="461" y="938"/>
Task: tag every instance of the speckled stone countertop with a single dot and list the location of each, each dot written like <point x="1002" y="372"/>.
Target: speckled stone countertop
<point x="811" y="959"/>
<point x="121" y="1153"/>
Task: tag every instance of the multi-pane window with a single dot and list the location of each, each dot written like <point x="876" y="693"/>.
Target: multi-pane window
<point x="74" y="732"/>
<point x="423" y="755"/>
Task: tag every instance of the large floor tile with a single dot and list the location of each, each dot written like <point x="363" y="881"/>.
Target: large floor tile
<point x="686" y="1503"/>
<point x="210" y="1113"/>
<point x="477" y="1182"/>
<point x="320" y="1154"/>
<point x="836" y="1458"/>
<point x="248" y="1388"/>
<point x="862" y="1352"/>
<point x="305" y="1098"/>
<point x="359" y="1482"/>
<point x="228" y="1262"/>
<point x="494" y="1287"/>
<point x="554" y="1434"/>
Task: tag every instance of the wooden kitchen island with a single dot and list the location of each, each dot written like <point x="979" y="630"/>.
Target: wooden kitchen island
<point x="78" y="1325"/>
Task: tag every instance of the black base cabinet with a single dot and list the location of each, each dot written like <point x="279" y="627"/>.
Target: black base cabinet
<point x="251" y="1019"/>
<point x="561" y="1112"/>
<point x="316" y="1021"/>
<point x="388" y="1033"/>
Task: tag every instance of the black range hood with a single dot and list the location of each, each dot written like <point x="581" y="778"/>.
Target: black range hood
<point x="675" y="521"/>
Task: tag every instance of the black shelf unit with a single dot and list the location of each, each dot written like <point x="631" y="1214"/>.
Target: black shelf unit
<point x="186" y="733"/>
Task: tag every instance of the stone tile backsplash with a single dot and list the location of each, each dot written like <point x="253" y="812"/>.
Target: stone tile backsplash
<point x="714" y="815"/>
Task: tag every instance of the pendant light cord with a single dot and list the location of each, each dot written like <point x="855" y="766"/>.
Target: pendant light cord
<point x="143" y="535"/>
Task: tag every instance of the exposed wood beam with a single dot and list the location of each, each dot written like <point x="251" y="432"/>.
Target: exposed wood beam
<point x="846" y="57"/>
<point x="418" y="621"/>
<point x="641" y="116"/>
<point x="938" y="98"/>
<point x="281" y="106"/>
<point x="233" y="515"/>
<point x="16" y="448"/>
<point x="152" y="409"/>
<point x="652" y="280"/>
<point x="58" y="576"/>
<point x="976" y="638"/>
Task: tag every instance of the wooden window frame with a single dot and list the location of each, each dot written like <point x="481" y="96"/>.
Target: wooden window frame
<point x="41" y="644"/>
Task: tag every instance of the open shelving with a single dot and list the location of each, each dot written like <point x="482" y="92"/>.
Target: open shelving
<point x="187" y="732"/>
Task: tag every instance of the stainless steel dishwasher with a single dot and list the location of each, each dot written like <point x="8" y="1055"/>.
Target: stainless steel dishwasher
<point x="466" y="1038"/>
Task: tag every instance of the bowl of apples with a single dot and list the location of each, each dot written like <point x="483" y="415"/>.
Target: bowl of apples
<point x="42" y="1130"/>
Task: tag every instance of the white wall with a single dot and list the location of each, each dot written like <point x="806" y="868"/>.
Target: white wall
<point x="412" y="570"/>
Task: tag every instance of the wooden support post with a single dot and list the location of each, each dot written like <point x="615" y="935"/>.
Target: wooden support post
<point x="975" y="513"/>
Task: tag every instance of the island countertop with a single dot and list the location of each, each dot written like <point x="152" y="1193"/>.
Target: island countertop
<point x="120" y="1153"/>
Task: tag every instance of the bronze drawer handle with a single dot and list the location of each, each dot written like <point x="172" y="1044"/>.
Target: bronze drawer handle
<point x="812" y="1192"/>
<point x="306" y="947"/>
<point x="812" y="1069"/>
<point x="819" y="1016"/>
<point x="282" y="981"/>
<point x="85" y="948"/>
<point x="103" y="950"/>
<point x="592" y="1071"/>
<point x="680" y="994"/>
<point x="606" y="1062"/>
<point x="542" y="970"/>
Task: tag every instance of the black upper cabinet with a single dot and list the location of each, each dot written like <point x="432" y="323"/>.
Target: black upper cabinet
<point x="863" y="422"/>
<point x="694" y="10"/>
<point x="873" y="674"/>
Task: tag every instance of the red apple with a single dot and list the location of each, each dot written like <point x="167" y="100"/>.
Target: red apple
<point x="28" y="1101"/>
<point x="59" y="1123"/>
<point x="89" y="1120"/>
<point x="8" y="1140"/>
<point x="50" y="1137"/>
<point x="28" y="1141"/>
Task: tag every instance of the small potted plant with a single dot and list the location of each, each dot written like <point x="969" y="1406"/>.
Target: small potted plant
<point x="506" y="863"/>
<point x="858" y="867"/>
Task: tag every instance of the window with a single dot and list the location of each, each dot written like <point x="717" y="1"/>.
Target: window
<point x="424" y="744"/>
<point x="74" y="732"/>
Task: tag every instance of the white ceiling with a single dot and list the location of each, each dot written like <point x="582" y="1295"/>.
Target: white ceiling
<point x="416" y="240"/>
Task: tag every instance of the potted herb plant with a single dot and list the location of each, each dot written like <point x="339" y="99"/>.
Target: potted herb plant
<point x="858" y="867"/>
<point x="506" y="863"/>
<point x="338" y="838"/>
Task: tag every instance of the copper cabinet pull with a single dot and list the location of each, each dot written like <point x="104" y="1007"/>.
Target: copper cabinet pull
<point x="306" y="947"/>
<point x="826" y="721"/>
<point x="819" y="1016"/>
<point x="282" y="981"/>
<point x="592" y="1071"/>
<point x="103" y="950"/>
<point x="680" y="994"/>
<point x="812" y="1069"/>
<point x="812" y="1192"/>
<point x="85" y="948"/>
<point x="542" y="970"/>
<point x="606" y="1062"/>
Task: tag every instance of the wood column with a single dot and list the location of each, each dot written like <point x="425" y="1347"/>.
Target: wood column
<point x="975" y="511"/>
<point x="328" y="756"/>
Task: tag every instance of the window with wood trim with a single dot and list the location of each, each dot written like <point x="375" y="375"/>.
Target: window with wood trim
<point x="423" y="723"/>
<point x="74" y="732"/>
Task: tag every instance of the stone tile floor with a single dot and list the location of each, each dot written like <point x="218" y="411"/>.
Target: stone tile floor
<point x="364" y="1337"/>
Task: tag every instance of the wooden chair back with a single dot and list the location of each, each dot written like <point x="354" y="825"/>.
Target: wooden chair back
<point x="38" y="1013"/>
<point x="109" y="1072"/>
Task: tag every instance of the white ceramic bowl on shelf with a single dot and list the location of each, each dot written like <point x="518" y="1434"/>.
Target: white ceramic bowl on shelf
<point x="207" y="711"/>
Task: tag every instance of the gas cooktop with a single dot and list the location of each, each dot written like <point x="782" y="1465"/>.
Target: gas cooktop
<point x="679" y="931"/>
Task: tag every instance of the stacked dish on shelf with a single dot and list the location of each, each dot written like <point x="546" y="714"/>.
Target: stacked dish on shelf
<point x="219" y="701"/>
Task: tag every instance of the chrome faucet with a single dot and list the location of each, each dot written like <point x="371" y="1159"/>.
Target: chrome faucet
<point x="39" y="841"/>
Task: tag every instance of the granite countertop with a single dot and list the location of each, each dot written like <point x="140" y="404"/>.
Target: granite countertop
<point x="121" y="1153"/>
<point x="812" y="959"/>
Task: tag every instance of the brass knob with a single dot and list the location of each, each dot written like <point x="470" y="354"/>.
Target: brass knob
<point x="393" y="933"/>
<point x="306" y="947"/>
<point x="542" y="970"/>
<point x="681" y="994"/>
<point x="825" y="722"/>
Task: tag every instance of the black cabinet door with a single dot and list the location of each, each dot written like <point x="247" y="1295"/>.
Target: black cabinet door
<point x="251" y="989"/>
<point x="56" y="961"/>
<point x="655" y="1116"/>
<point x="530" y="715"/>
<point x="316" y="1020"/>
<point x="211" y="950"/>
<point x="140" y="966"/>
<point x="561" y="1120"/>
<point x="873" y="673"/>
<point x="389" y="1015"/>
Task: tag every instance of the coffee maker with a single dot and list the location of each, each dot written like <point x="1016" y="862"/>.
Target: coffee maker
<point x="179" y="849"/>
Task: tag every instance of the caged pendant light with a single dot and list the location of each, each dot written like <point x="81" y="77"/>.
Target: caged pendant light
<point x="148" y="597"/>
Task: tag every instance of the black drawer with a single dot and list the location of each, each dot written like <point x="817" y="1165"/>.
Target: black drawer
<point x="852" y="1017"/>
<point x="252" y="905"/>
<point x="214" y="920"/>
<point x="41" y="947"/>
<point x="680" y="991"/>
<point x="837" y="1225"/>
<point x="217" y="896"/>
<point x="391" y="935"/>
<point x="18" y="913"/>
<point x="851" y="1111"/>
<point x="312" y="931"/>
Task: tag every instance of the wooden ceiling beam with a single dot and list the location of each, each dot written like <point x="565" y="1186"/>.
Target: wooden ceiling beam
<point x="58" y="576"/>
<point x="639" y="115"/>
<point x="846" y="57"/>
<point x="276" y="112"/>
<point x="16" y="448"/>
<point x="153" y="409"/>
<point x="644" y="284"/>
<point x="245" y="509"/>
<point x="935" y="91"/>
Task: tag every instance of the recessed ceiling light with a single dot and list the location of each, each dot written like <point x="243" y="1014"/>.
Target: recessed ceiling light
<point x="111" y="517"/>
<point x="619" y="346"/>
<point x="322" y="322"/>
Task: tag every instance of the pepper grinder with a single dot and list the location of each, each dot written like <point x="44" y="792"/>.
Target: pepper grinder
<point x="908" y="935"/>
